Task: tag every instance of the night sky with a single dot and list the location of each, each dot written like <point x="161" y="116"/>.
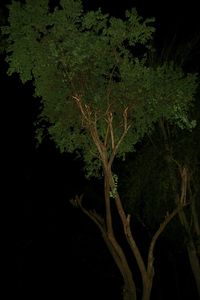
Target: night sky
<point x="57" y="251"/>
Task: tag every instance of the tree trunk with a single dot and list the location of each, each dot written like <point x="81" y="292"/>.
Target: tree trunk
<point x="129" y="293"/>
<point x="147" y="287"/>
<point x="129" y="288"/>
<point x="192" y="251"/>
<point x="194" y="262"/>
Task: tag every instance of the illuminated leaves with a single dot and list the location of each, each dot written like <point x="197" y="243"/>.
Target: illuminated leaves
<point x="66" y="52"/>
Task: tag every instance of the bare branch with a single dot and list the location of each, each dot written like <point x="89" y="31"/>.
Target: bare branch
<point x="168" y="218"/>
<point x="76" y="201"/>
<point x="80" y="106"/>
<point x="92" y="214"/>
<point x="184" y="184"/>
<point x="106" y="136"/>
<point x="90" y="122"/>
<point x="110" y="121"/>
<point x="126" y="128"/>
<point x="135" y="249"/>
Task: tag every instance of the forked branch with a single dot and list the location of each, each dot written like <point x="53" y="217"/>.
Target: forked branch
<point x="92" y="214"/>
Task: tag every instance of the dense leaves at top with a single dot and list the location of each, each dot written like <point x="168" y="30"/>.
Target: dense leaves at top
<point x="69" y="53"/>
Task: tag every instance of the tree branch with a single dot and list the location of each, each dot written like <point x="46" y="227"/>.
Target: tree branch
<point x="161" y="228"/>
<point x="126" y="128"/>
<point x="112" y="244"/>
<point x="92" y="214"/>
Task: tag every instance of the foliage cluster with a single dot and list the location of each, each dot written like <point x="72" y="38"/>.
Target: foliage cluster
<point x="67" y="52"/>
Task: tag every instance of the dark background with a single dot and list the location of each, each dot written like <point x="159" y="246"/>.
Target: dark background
<point x="56" y="251"/>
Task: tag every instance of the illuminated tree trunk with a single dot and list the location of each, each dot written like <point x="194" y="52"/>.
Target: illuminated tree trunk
<point x="146" y="272"/>
<point x="107" y="149"/>
<point x="129" y="288"/>
<point x="147" y="290"/>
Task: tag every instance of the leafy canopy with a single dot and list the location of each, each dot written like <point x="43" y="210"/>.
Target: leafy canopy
<point x="67" y="52"/>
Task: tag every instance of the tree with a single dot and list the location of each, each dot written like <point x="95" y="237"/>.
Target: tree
<point x="163" y="172"/>
<point x="183" y="166"/>
<point x="181" y="152"/>
<point x="99" y="98"/>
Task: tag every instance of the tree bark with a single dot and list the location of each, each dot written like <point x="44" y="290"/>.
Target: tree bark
<point x="192" y="251"/>
<point x="147" y="289"/>
<point x="129" y="288"/>
<point x="194" y="262"/>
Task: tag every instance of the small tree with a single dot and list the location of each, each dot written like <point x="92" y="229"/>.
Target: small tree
<point x="181" y="153"/>
<point x="164" y="172"/>
<point x="182" y="160"/>
<point x="99" y="98"/>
